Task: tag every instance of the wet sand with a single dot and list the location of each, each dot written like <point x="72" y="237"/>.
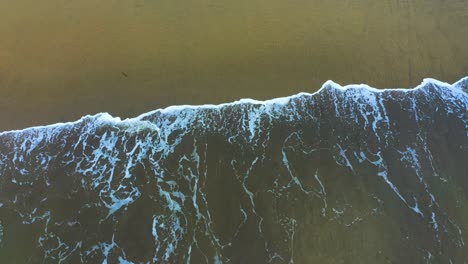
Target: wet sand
<point x="60" y="60"/>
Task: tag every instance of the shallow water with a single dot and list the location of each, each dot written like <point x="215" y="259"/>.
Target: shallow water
<point x="62" y="59"/>
<point x="344" y="175"/>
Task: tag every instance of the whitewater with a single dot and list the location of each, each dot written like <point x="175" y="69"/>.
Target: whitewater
<point x="287" y="180"/>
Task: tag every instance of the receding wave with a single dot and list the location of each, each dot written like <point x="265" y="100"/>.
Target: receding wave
<point x="347" y="174"/>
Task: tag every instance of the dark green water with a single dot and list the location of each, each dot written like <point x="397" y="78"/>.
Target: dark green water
<point x="62" y="59"/>
<point x="346" y="175"/>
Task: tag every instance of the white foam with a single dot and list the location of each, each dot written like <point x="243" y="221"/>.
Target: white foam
<point x="280" y="101"/>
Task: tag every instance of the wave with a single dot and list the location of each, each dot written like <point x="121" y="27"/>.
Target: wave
<point x="283" y="180"/>
<point x="457" y="87"/>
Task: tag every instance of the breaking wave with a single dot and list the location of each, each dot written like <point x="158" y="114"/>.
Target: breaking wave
<point x="381" y="175"/>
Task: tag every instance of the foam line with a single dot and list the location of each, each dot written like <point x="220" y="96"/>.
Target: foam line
<point x="105" y="117"/>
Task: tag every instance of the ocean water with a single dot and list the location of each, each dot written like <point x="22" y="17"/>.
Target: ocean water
<point x="128" y="136"/>
<point x="345" y="175"/>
